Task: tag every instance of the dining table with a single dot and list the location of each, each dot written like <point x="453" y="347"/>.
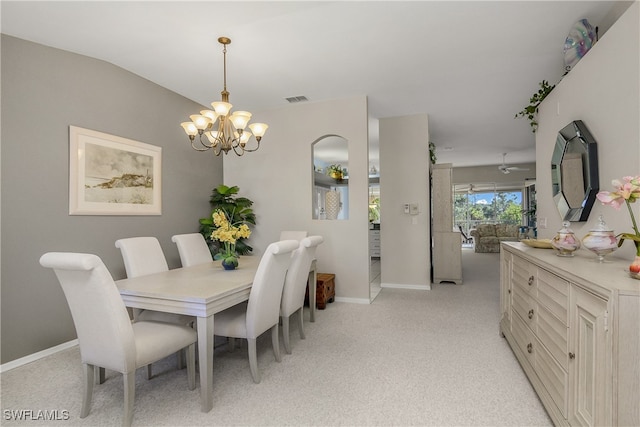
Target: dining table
<point x="200" y="291"/>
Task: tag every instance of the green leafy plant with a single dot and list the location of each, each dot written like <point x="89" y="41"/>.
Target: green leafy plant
<point x="335" y="171"/>
<point x="432" y="153"/>
<point x="238" y="210"/>
<point x="531" y="110"/>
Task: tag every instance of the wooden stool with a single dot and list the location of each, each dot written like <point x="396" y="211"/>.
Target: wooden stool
<point x="325" y="290"/>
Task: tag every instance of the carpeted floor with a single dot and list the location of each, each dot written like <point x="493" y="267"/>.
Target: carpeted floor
<point x="432" y="358"/>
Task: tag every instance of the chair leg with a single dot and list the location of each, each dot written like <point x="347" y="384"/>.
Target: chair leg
<point x="301" y="323"/>
<point x="253" y="360"/>
<point x="99" y="375"/>
<point x="285" y="334"/>
<point x="180" y="360"/>
<point x="129" y="396"/>
<point x="88" y="371"/>
<point x="149" y="372"/>
<point x="191" y="366"/>
<point x="275" y="342"/>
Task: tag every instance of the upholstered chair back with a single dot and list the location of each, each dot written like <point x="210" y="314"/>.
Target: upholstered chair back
<point x="142" y="256"/>
<point x="296" y="279"/>
<point x="263" y="309"/>
<point x="105" y="334"/>
<point x="193" y="249"/>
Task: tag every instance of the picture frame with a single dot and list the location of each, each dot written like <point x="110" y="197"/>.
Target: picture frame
<point x="111" y="175"/>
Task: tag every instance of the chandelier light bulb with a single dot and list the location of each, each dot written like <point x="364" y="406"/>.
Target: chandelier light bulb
<point x="189" y="128"/>
<point x="199" y="121"/>
<point x="258" y="129"/>
<point x="240" y="119"/>
<point x="221" y="108"/>
<point x="210" y="114"/>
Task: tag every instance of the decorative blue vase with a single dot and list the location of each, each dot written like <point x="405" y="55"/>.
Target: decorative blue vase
<point x="231" y="265"/>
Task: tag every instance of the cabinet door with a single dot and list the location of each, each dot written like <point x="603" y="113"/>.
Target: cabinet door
<point x="590" y="360"/>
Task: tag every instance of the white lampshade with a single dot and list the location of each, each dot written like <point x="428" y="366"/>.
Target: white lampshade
<point x="221" y="108"/>
<point x="240" y="119"/>
<point x="245" y="138"/>
<point x="201" y="122"/>
<point x="189" y="128"/>
<point x="258" y="129"/>
<point x="210" y="114"/>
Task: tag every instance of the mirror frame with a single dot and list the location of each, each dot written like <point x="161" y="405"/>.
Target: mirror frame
<point x="575" y="131"/>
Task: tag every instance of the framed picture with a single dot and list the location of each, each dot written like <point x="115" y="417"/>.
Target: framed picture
<point x="110" y="175"/>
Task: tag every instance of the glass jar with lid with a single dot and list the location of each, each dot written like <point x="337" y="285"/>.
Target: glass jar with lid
<point x="601" y="240"/>
<point x="565" y="242"/>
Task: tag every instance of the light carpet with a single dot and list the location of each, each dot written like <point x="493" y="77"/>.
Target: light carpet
<point x="413" y="357"/>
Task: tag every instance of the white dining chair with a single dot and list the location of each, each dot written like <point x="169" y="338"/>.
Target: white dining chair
<point x="292" y="235"/>
<point x="193" y="249"/>
<point x="295" y="285"/>
<point x="251" y="319"/>
<point x="106" y="336"/>
<point x="143" y="256"/>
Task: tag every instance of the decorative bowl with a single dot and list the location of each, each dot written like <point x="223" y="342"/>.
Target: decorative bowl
<point x="538" y="243"/>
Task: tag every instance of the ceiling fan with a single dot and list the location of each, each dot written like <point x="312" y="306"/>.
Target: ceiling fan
<point x="507" y="169"/>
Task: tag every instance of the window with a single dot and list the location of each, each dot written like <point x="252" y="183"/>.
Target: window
<point x="472" y="207"/>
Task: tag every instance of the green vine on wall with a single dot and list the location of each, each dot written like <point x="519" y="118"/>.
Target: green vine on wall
<point x="531" y="110"/>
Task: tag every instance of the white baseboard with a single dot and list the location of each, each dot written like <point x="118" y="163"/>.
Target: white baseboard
<point x="36" y="356"/>
<point x="426" y="287"/>
<point x="353" y="300"/>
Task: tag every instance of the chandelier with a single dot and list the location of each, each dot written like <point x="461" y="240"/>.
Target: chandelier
<point x="223" y="130"/>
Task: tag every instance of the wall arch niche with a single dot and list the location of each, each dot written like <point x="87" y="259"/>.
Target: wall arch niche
<point x="330" y="166"/>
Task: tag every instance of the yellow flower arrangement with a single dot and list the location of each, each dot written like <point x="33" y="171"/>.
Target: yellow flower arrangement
<point x="228" y="233"/>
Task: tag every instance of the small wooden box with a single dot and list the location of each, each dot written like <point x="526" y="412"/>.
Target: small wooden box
<point x="325" y="290"/>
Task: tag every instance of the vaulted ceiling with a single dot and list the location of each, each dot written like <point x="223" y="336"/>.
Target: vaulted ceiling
<point x="469" y="65"/>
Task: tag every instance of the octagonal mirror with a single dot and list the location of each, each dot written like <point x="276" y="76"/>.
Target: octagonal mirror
<point x="574" y="172"/>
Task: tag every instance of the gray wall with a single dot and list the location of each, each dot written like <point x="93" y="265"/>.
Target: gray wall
<point x="45" y="90"/>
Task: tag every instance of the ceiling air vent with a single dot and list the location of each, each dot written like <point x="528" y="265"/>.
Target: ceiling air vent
<point x="294" y="99"/>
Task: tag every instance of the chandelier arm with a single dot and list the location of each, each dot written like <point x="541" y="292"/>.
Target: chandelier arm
<point x="198" y="148"/>
<point x="205" y="144"/>
<point x="252" y="150"/>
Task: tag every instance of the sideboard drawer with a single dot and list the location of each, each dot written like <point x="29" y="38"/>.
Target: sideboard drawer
<point x="553" y="335"/>
<point x="523" y="337"/>
<point x="553" y="293"/>
<point x="526" y="307"/>
<point x="553" y="377"/>
<point x="524" y="275"/>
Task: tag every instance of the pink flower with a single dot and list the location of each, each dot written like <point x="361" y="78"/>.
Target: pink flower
<point x="627" y="191"/>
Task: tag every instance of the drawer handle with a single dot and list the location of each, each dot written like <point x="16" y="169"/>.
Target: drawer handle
<point x="531" y="314"/>
<point x="529" y="348"/>
<point x="572" y="356"/>
<point x="530" y="280"/>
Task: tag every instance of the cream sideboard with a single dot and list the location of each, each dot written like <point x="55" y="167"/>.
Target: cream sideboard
<point x="574" y="326"/>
